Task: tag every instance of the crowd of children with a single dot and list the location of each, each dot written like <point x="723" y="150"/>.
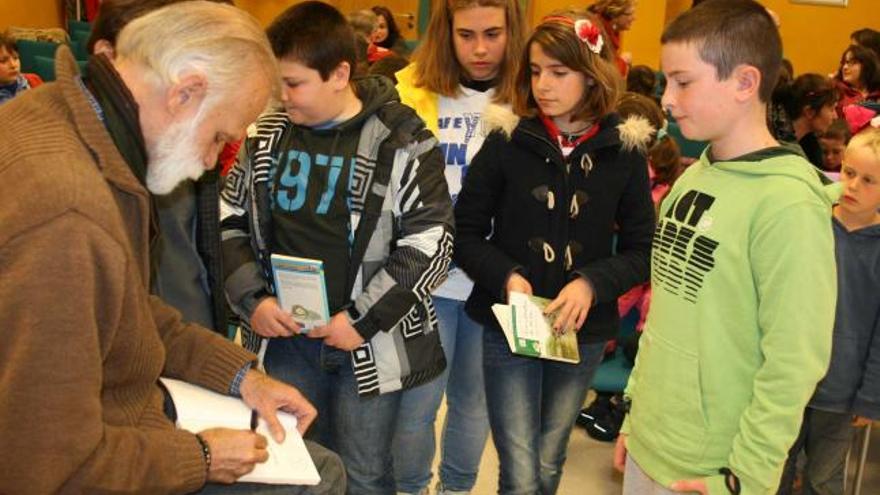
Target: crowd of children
<point x="495" y="161"/>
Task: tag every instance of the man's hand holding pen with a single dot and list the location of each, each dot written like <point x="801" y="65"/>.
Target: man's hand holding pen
<point x="234" y="453"/>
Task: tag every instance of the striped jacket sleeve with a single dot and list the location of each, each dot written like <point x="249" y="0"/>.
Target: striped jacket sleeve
<point x="243" y="278"/>
<point x="423" y="222"/>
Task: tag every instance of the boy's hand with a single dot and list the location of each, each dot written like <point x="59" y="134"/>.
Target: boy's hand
<point x="573" y="303"/>
<point x="690" y="486"/>
<point x="338" y="333"/>
<point x="269" y="320"/>
<point x="861" y="421"/>
<point x="620" y="453"/>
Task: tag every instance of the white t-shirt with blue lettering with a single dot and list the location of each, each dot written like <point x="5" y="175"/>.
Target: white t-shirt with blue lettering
<point x="461" y="136"/>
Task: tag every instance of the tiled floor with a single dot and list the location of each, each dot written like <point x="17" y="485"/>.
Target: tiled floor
<point x="589" y="471"/>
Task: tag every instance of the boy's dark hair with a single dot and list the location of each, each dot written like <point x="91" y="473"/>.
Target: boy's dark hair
<point x="870" y="75"/>
<point x="807" y="90"/>
<point x="389" y="66"/>
<point x="393" y="30"/>
<point x="867" y="38"/>
<point x="729" y="33"/>
<point x="314" y="34"/>
<point x="838" y="130"/>
<point x="114" y="15"/>
<point x="641" y="79"/>
<point x="8" y="42"/>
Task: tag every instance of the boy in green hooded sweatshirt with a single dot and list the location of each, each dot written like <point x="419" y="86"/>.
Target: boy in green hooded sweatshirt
<point x="743" y="272"/>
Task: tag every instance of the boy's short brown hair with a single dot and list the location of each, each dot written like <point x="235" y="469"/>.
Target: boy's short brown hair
<point x="7" y="42"/>
<point x="314" y="34"/>
<point x="557" y="38"/>
<point x="729" y="33"/>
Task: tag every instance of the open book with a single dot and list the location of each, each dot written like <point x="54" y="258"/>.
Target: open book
<point x="529" y="331"/>
<point x="301" y="289"/>
<point x="200" y="409"/>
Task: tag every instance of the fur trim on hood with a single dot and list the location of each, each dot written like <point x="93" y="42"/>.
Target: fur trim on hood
<point x="636" y="133"/>
<point x="499" y="117"/>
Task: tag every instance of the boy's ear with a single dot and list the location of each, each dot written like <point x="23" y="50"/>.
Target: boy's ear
<point x="341" y="75"/>
<point x="748" y="81"/>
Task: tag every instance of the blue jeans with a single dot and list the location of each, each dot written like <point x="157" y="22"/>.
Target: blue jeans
<point x="825" y="437"/>
<point x="358" y="428"/>
<point x="533" y="404"/>
<point x="466" y="426"/>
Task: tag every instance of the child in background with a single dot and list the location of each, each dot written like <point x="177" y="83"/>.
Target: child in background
<point x="809" y="104"/>
<point x="641" y="79"/>
<point x="363" y="23"/>
<point x="12" y="81"/>
<point x="468" y="59"/>
<point x="742" y="276"/>
<point x="834" y="141"/>
<point x="858" y="78"/>
<point x="537" y="215"/>
<point x="603" y="418"/>
<point x="387" y="34"/>
<point x="849" y="395"/>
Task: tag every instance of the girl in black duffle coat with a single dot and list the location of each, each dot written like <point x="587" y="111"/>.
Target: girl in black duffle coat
<point x="556" y="204"/>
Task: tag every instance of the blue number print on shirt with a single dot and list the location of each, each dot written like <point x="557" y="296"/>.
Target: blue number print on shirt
<point x="333" y="176"/>
<point x="295" y="184"/>
<point x="292" y="191"/>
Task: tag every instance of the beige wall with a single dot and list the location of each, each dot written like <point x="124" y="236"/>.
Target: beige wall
<point x="813" y="36"/>
<point x="266" y="10"/>
<point x="30" y="13"/>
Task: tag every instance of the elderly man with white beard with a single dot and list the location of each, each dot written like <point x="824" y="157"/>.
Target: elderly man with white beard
<point x="82" y="343"/>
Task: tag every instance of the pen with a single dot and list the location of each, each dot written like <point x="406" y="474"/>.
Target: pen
<point x="254" y="419"/>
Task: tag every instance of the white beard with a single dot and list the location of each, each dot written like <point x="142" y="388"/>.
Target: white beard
<point x="175" y="158"/>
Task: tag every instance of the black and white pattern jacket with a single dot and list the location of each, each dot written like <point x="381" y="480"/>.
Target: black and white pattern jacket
<point x="401" y="216"/>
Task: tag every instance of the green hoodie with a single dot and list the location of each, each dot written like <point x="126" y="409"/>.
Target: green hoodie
<point x="739" y="332"/>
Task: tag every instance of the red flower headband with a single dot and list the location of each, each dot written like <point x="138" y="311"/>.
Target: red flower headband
<point x="585" y="30"/>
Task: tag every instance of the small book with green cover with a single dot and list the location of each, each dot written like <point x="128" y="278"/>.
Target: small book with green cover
<point x="529" y="331"/>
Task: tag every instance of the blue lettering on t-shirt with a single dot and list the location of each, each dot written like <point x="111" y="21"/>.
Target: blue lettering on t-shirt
<point x="454" y="153"/>
<point x="294" y="180"/>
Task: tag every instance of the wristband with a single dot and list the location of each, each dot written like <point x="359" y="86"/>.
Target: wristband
<point x="206" y="453"/>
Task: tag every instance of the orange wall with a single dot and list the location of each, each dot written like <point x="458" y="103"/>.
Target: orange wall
<point x="30" y="13"/>
<point x="266" y="10"/>
<point x="814" y="36"/>
<point x="642" y="40"/>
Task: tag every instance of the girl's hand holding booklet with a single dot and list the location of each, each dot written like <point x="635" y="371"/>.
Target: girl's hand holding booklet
<point x="529" y="331"/>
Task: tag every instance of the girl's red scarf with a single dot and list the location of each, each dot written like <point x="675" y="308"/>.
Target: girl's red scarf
<point x="566" y="146"/>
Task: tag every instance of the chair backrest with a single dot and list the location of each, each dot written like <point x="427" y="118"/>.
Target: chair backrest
<point x="29" y="50"/>
<point x="79" y="41"/>
<point x="74" y="25"/>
